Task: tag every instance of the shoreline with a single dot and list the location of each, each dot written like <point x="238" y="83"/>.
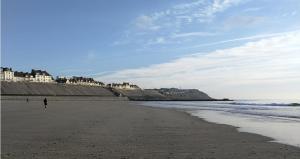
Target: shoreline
<point x="124" y="129"/>
<point x="239" y="130"/>
<point x="202" y="119"/>
<point x="244" y="122"/>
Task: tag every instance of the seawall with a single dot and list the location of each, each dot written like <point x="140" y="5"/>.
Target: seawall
<point x="52" y="89"/>
<point x="19" y="89"/>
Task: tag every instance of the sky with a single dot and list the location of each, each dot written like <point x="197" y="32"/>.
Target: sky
<point x="240" y="49"/>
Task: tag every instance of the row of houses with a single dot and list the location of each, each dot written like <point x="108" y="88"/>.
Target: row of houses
<point x="7" y="74"/>
<point x="90" y="81"/>
<point x="79" y="81"/>
<point x="124" y="85"/>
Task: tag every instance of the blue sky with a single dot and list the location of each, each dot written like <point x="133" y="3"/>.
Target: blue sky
<point x="159" y="43"/>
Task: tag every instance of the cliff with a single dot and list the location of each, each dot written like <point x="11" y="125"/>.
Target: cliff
<point x="183" y="94"/>
<point x="164" y="94"/>
<point x="140" y="94"/>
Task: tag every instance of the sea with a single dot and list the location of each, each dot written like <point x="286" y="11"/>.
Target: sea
<point x="277" y="119"/>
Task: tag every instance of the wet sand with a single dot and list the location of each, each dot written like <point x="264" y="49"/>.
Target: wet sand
<point x="123" y="130"/>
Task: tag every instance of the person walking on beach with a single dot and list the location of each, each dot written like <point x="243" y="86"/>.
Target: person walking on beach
<point x="45" y="103"/>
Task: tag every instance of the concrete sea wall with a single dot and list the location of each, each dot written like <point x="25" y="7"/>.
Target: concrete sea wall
<point x="62" y="98"/>
<point x="52" y="89"/>
<point x="21" y="90"/>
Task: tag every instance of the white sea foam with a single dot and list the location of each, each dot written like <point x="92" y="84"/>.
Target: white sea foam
<point x="277" y="120"/>
<point x="281" y="130"/>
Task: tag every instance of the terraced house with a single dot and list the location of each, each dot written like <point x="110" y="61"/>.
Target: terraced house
<point x="23" y="76"/>
<point x="7" y="74"/>
<point x="124" y="85"/>
<point x="79" y="81"/>
<point x="41" y="76"/>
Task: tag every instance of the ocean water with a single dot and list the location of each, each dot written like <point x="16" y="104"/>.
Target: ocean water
<point x="277" y="119"/>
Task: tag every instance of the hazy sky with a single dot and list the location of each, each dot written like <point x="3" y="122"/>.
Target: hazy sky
<point x="227" y="48"/>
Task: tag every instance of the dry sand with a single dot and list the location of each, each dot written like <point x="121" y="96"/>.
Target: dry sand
<point x="123" y="130"/>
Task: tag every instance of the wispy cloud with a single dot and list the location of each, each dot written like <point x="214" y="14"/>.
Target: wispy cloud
<point x="292" y="13"/>
<point x="243" y="21"/>
<point x="255" y="37"/>
<point x="158" y="40"/>
<point x="75" y="71"/>
<point x="91" y="56"/>
<point x="146" y="23"/>
<point x="189" y="5"/>
<point x="271" y="64"/>
<point x="219" y="6"/>
<point x="101" y="74"/>
<point x="181" y="35"/>
<point x="253" y="9"/>
<point x="199" y="11"/>
<point x="171" y="22"/>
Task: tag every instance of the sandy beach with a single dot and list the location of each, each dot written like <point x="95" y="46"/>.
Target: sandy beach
<point x="123" y="130"/>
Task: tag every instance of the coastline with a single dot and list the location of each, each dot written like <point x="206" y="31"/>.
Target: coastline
<point x="123" y="129"/>
<point x="279" y="121"/>
<point x="69" y="90"/>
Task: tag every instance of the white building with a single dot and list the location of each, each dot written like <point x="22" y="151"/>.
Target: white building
<point x="35" y="76"/>
<point x="79" y="81"/>
<point x="23" y="77"/>
<point x="124" y="85"/>
<point x="41" y="76"/>
<point x="6" y="74"/>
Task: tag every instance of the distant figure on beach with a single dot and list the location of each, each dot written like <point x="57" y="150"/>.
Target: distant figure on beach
<point x="27" y="100"/>
<point x="45" y="103"/>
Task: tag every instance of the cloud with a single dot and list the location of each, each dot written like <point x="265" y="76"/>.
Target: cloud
<point x="174" y="37"/>
<point x="146" y="28"/>
<point x="288" y="14"/>
<point x="91" y="56"/>
<point x="145" y="23"/>
<point x="219" y="6"/>
<point x="158" y="40"/>
<point x="243" y="21"/>
<point x="74" y="71"/>
<point x="189" y="5"/>
<point x="200" y="11"/>
<point x="260" y="69"/>
<point x="254" y="9"/>
<point x="101" y="73"/>
<point x="255" y="37"/>
<point x="294" y="13"/>
<point x="181" y="35"/>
